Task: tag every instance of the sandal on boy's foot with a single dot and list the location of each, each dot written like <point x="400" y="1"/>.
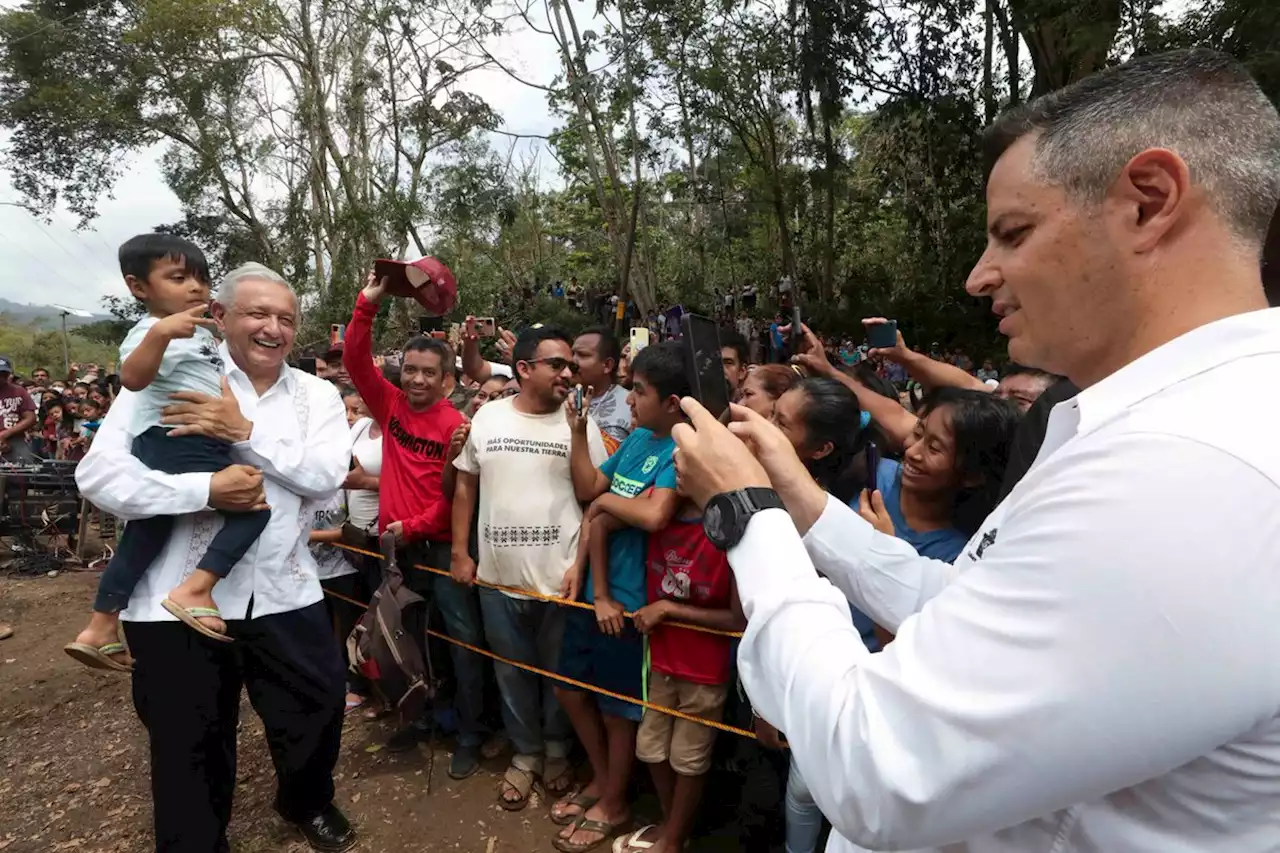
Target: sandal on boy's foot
<point x="99" y="657"/>
<point x="634" y="842"/>
<point x="581" y="801"/>
<point x="519" y="780"/>
<point x="605" y="830"/>
<point x="191" y="616"/>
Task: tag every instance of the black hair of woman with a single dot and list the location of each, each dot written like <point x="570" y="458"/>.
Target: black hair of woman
<point x="832" y="415"/>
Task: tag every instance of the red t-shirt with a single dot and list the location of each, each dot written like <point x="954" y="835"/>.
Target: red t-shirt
<point x="684" y="566"/>
<point x="414" y="444"/>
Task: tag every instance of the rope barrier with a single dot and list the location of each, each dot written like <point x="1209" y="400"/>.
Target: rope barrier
<point x="573" y="682"/>
<point x="529" y="593"/>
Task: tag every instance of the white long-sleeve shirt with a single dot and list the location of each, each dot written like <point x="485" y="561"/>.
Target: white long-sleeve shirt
<point x="1099" y="672"/>
<point x="302" y="443"/>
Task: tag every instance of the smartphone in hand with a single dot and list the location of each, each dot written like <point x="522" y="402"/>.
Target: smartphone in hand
<point x="486" y="327"/>
<point x="701" y="341"/>
<point x="882" y="335"/>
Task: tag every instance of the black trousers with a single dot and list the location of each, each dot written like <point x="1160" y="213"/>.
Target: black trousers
<point x="186" y="690"/>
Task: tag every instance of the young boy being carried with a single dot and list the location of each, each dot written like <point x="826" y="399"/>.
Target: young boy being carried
<point x="633" y="494"/>
<point x="689" y="581"/>
<point x="170" y="350"/>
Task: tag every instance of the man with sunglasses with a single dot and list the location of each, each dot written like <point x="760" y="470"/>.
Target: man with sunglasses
<point x="516" y="460"/>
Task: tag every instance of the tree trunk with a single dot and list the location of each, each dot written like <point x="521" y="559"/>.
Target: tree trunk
<point x="1068" y="40"/>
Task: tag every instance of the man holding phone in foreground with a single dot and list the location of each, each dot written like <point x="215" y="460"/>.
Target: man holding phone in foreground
<point x="1097" y="671"/>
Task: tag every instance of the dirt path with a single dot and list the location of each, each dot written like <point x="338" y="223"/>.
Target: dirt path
<point x="73" y="760"/>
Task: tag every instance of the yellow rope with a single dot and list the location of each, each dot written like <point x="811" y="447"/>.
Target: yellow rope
<point x="581" y="685"/>
<point x="528" y="593"/>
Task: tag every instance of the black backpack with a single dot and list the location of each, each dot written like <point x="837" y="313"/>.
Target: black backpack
<point x="384" y="651"/>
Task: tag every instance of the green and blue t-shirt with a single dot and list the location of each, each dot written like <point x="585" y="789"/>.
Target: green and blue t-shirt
<point x="643" y="461"/>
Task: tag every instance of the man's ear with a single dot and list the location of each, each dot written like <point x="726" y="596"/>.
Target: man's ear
<point x="672" y="404"/>
<point x="218" y="312"/>
<point x="1153" y="190"/>
<point x="824" y="450"/>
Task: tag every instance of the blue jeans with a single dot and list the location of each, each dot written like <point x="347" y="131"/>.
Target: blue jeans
<point x="460" y="609"/>
<point x="529" y="632"/>
<point x="804" y="818"/>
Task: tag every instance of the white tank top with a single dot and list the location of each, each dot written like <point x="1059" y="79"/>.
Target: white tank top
<point x="362" y="504"/>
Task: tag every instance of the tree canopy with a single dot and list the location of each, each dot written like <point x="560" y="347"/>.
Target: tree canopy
<point x="701" y="145"/>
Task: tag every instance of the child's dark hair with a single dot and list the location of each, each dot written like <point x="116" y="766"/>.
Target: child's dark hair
<point x="137" y="254"/>
<point x="662" y="366"/>
<point x="982" y="428"/>
<point x="831" y="414"/>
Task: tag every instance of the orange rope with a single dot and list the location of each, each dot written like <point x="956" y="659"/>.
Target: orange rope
<point x="581" y="685"/>
<point x="528" y="593"/>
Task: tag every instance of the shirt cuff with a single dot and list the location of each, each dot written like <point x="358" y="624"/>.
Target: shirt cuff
<point x="769" y="558"/>
<point x="192" y="492"/>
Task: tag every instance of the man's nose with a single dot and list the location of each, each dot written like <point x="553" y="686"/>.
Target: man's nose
<point x="984" y="278"/>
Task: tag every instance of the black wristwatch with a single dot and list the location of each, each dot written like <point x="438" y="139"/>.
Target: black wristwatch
<point x="726" y="515"/>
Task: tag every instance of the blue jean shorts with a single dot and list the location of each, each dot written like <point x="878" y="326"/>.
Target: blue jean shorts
<point x="614" y="663"/>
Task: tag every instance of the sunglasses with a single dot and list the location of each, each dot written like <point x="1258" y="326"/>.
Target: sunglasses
<point x="556" y="363"/>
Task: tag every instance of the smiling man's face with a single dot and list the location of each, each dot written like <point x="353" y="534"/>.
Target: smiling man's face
<point x="259" y="326"/>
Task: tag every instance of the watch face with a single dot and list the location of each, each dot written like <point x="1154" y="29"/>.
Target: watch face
<point x="713" y="521"/>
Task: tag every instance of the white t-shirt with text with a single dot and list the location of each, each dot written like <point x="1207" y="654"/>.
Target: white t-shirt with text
<point x="529" y="517"/>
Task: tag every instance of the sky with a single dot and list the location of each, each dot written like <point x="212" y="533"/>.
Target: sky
<point x="44" y="262"/>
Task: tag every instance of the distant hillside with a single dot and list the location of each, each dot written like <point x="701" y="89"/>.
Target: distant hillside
<point x="45" y="316"/>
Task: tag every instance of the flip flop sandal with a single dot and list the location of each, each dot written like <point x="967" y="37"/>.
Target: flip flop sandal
<point x="98" y="657"/>
<point x="353" y="704"/>
<point x="190" y="616"/>
<point x="606" y="831"/>
<point x="633" y="842"/>
<point x="558" y="776"/>
<point x="519" y="780"/>
<point x="577" y="798"/>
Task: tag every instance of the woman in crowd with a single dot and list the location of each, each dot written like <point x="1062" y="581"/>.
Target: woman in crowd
<point x="935" y="499"/>
<point x="764" y="384"/>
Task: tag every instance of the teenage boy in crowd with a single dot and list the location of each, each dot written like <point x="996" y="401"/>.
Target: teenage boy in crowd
<point x="417" y="424"/>
<point x="597" y="352"/>
<point x="688" y="581"/>
<point x="517" y="458"/>
<point x="634" y="491"/>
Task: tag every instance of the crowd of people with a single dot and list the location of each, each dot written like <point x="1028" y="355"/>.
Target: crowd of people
<point x="932" y="573"/>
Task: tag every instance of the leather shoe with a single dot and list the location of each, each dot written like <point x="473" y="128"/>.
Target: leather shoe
<point x="329" y="831"/>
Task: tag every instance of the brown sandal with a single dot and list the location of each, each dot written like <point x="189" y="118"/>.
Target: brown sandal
<point x="519" y="780"/>
<point x="576" y="798"/>
<point x="558" y="776"/>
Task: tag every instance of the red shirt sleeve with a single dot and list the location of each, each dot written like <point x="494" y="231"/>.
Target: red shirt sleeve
<point x="357" y="357"/>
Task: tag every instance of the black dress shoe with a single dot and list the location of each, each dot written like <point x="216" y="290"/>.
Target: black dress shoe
<point x="329" y="831"/>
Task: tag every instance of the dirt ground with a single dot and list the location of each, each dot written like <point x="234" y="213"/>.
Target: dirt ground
<point x="74" y="775"/>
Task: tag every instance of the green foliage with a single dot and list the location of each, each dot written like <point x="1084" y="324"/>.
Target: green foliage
<point x="834" y="142"/>
<point x="29" y="347"/>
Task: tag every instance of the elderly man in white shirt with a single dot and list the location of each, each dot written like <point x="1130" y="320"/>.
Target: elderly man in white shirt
<point x="290" y="431"/>
<point x="1098" y="671"/>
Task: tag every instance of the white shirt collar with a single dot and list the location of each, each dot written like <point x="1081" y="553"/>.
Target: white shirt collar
<point x="1188" y="355"/>
<point x="233" y="370"/>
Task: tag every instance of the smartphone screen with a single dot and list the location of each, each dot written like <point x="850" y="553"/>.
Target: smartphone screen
<point x="882" y="335"/>
<point x="486" y="327"/>
<point x="427" y="325"/>
<point x="701" y="342"/>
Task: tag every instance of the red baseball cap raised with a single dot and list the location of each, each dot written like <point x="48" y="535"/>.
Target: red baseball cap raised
<point x="426" y="280"/>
